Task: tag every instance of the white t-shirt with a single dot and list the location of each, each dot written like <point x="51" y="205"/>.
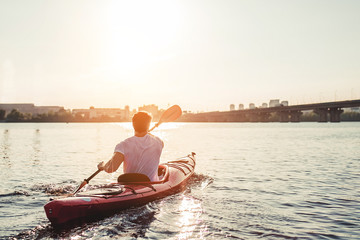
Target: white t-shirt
<point x="141" y="155"/>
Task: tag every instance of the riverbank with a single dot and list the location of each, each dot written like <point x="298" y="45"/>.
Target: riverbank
<point x="188" y="118"/>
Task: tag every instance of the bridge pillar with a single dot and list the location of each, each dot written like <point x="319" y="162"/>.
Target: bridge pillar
<point x="253" y="117"/>
<point x="335" y="114"/>
<point x="264" y="117"/>
<point x="295" y="116"/>
<point x="284" y="116"/>
<point x="242" y="118"/>
<point x="322" y="112"/>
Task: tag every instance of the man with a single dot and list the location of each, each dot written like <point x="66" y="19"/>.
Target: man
<point x="140" y="153"/>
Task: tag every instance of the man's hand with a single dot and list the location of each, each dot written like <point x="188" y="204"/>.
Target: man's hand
<point x="101" y="166"/>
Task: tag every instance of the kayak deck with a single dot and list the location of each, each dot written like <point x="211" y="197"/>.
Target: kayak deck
<point x="173" y="175"/>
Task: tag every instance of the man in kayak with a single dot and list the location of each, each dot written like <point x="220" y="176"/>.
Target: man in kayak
<point x="140" y="153"/>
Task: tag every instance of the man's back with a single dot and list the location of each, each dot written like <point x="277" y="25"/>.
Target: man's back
<point x="141" y="155"/>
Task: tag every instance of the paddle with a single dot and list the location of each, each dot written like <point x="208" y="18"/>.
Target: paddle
<point x="86" y="181"/>
<point x="170" y="115"/>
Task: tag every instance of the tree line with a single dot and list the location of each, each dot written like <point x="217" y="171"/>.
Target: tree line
<point x="66" y="116"/>
<point x="60" y="116"/>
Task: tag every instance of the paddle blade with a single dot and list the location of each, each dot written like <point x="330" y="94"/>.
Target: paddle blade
<point x="171" y="114"/>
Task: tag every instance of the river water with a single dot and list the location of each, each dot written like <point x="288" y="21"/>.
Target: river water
<point x="253" y="180"/>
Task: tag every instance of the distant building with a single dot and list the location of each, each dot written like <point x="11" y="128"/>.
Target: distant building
<point x="232" y="107"/>
<point x="127" y="109"/>
<point x="152" y="108"/>
<point x="241" y="106"/>
<point x="98" y="113"/>
<point x="29" y="108"/>
<point x="264" y="105"/>
<point x="252" y="106"/>
<point x="274" y="103"/>
<point x="284" y="103"/>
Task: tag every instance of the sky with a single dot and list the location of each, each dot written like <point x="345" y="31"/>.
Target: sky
<point x="200" y="54"/>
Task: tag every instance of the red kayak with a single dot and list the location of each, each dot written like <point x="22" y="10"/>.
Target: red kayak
<point x="131" y="190"/>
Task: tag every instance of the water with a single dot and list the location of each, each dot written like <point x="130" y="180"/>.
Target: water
<point x="253" y="180"/>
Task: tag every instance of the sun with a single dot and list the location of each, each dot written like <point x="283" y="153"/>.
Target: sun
<point x="139" y="33"/>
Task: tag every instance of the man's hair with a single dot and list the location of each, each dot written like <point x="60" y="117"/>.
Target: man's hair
<point x="141" y="121"/>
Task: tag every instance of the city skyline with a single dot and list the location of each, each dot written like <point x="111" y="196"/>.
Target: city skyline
<point x="155" y="108"/>
<point x="202" y="55"/>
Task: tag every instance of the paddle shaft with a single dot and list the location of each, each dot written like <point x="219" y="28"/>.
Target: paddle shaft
<point x="93" y="175"/>
<point x="156" y="125"/>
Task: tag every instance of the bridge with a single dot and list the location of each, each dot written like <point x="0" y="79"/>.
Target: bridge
<point x="327" y="111"/>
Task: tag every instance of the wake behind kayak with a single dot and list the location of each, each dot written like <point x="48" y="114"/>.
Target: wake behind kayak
<point x="173" y="175"/>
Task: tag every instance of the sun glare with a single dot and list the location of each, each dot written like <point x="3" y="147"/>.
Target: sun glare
<point x="139" y="33"/>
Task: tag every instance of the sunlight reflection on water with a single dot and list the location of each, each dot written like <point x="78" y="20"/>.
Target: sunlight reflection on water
<point x="171" y="125"/>
<point x="167" y="126"/>
<point x="190" y="217"/>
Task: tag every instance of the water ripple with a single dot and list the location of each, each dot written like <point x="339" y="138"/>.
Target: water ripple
<point x="253" y="181"/>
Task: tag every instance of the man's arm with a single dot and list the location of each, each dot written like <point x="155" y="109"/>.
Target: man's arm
<point x="113" y="164"/>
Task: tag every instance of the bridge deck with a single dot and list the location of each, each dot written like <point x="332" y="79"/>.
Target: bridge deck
<point x="287" y="113"/>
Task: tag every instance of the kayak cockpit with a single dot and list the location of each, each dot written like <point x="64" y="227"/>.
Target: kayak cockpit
<point x="139" y="179"/>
